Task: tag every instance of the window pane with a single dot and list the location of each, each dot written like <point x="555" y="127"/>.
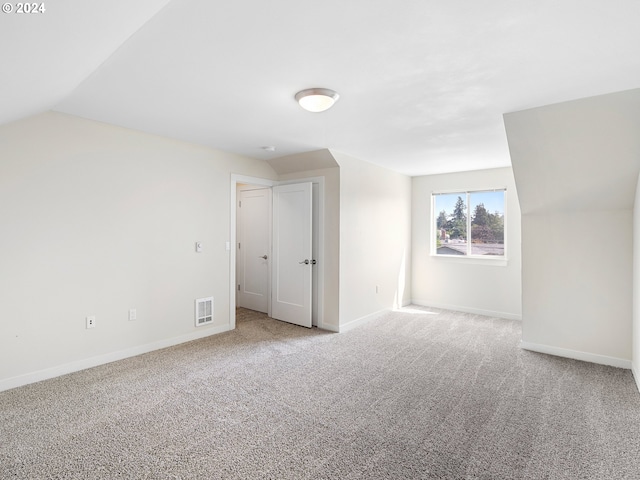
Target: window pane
<point x="451" y="224"/>
<point x="487" y="223"/>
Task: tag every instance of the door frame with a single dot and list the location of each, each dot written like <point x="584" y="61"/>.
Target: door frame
<point x="318" y="238"/>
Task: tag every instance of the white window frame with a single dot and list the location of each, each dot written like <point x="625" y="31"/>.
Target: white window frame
<point x="490" y="259"/>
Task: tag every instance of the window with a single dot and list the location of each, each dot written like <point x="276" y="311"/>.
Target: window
<point x="469" y="223"/>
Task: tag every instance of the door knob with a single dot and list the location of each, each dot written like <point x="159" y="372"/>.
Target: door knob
<point x="306" y="261"/>
<point x="264" y="257"/>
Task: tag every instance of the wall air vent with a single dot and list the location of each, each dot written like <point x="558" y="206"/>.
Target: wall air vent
<point x="204" y="311"/>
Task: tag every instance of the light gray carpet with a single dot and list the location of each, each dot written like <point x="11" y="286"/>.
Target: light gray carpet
<point x="433" y="394"/>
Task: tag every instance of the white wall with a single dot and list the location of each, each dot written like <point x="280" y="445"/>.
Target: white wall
<point x="96" y="220"/>
<point x="636" y="287"/>
<point x="577" y="281"/>
<point x="375" y="239"/>
<point x="488" y="288"/>
<point x="576" y="167"/>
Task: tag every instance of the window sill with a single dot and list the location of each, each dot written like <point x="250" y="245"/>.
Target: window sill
<point x="472" y="260"/>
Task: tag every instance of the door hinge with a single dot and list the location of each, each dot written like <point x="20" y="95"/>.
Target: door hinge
<point x="238" y="245"/>
<point x="240" y="204"/>
<point x="238" y="287"/>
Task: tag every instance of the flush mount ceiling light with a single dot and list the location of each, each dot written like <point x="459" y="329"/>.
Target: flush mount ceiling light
<point x="317" y="99"/>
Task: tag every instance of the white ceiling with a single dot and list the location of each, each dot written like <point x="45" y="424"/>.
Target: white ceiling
<point x="423" y="83"/>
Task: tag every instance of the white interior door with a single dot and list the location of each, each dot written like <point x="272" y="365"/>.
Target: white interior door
<point x="254" y="248"/>
<point x="292" y="254"/>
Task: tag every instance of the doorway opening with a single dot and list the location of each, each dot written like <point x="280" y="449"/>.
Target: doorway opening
<point x="253" y="247"/>
<point x="251" y="275"/>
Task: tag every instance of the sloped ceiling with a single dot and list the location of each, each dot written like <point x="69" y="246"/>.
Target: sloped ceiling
<point x="582" y="155"/>
<point x="45" y="56"/>
<point x="303" y="162"/>
<point x="423" y="83"/>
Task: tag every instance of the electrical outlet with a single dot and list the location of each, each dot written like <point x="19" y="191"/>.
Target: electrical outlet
<point x="133" y="314"/>
<point x="91" y="321"/>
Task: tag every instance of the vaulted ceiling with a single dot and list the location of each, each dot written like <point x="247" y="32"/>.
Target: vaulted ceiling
<point x="423" y="83"/>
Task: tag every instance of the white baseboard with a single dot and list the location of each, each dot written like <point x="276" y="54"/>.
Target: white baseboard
<point x="636" y="376"/>
<point x="577" y="355"/>
<point x="477" y="311"/>
<point x="329" y="328"/>
<point x="359" y="321"/>
<point x="85" y="363"/>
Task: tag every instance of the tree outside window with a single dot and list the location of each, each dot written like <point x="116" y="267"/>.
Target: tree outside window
<point x="480" y="233"/>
